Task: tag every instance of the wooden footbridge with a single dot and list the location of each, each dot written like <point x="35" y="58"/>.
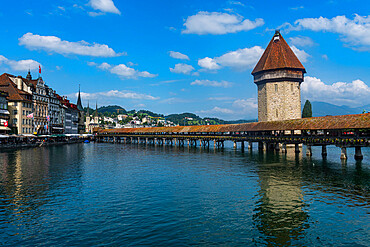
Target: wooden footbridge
<point x="342" y="131"/>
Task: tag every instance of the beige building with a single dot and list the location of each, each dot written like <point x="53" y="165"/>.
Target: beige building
<point x="278" y="75"/>
<point x="91" y="121"/>
<point x="19" y="103"/>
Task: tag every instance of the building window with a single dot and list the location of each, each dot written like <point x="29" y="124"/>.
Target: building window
<point x="291" y="87"/>
<point x="15" y="112"/>
<point x="276" y="87"/>
<point x="277" y="113"/>
<point x="15" y="121"/>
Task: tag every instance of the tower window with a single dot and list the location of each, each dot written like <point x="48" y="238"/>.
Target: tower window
<point x="291" y="87"/>
<point x="277" y="113"/>
<point x="276" y="87"/>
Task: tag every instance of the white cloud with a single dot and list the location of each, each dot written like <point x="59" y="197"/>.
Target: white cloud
<point x="216" y="110"/>
<point x="301" y="41"/>
<point x="325" y="57"/>
<point x="124" y="94"/>
<point x="123" y="71"/>
<point x="355" y="32"/>
<point x="221" y="98"/>
<point x="301" y="54"/>
<point x="355" y="93"/>
<point x="55" y="44"/>
<point x="218" y="23"/>
<point x="182" y="68"/>
<point x="297" y="8"/>
<point x="246" y="105"/>
<point x="106" y="6"/>
<point x="209" y="83"/>
<point x="239" y="109"/>
<point x="178" y="55"/>
<point x="20" y="65"/>
<point x="240" y="59"/>
<point x="236" y="3"/>
<point x="208" y="63"/>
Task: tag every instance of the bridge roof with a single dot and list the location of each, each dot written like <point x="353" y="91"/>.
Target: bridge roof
<point x="278" y="55"/>
<point x="358" y="121"/>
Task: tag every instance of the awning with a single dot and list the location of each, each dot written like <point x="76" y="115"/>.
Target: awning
<point x="58" y="128"/>
<point x="4" y="112"/>
<point x="4" y="128"/>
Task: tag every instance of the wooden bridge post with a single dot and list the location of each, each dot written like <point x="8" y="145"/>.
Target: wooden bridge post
<point x="138" y="140"/>
<point x="200" y="142"/>
<point x="250" y="146"/>
<point x="343" y="154"/>
<point x="260" y="146"/>
<point x="235" y="145"/>
<point x="309" y="150"/>
<point x="155" y="141"/>
<point x="214" y="143"/>
<point x="277" y="147"/>
<point x="296" y="148"/>
<point x="324" y="153"/>
<point x="358" y="154"/>
<point x="283" y="148"/>
<point x="242" y="146"/>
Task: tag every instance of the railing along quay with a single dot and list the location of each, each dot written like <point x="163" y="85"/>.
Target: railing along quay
<point x="342" y="131"/>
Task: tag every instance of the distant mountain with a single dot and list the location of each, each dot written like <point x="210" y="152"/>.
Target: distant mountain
<point x="320" y="109"/>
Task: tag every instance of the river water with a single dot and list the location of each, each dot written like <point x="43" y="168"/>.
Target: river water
<point x="136" y="195"/>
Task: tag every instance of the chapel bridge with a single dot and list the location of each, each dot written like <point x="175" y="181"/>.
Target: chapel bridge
<point x="342" y="131"/>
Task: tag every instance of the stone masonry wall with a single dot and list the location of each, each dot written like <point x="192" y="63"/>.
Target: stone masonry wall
<point x="279" y="101"/>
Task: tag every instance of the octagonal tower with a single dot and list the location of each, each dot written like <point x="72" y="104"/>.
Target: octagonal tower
<point x="278" y="75"/>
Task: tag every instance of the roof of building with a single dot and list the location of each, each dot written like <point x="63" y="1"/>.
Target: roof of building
<point x="358" y="121"/>
<point x="7" y="85"/>
<point x="278" y="55"/>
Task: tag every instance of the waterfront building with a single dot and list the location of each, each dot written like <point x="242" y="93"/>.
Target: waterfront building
<point x="4" y="113"/>
<point x="40" y="100"/>
<point x="278" y="75"/>
<point x="70" y="112"/>
<point x="91" y="122"/>
<point x="20" y="104"/>
<point x="55" y="112"/>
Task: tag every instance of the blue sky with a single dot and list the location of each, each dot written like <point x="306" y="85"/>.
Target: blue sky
<point x="186" y="56"/>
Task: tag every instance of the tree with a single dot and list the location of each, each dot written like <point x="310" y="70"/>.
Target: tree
<point x="307" y="109"/>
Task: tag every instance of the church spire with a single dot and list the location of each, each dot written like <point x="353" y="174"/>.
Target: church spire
<point x="96" y="109"/>
<point x="29" y="76"/>
<point x="79" y="104"/>
<point x="88" y="109"/>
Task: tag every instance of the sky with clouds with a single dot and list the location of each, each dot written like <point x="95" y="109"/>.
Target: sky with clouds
<point x="187" y="55"/>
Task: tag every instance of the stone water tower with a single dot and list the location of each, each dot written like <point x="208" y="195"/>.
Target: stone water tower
<point x="278" y="75"/>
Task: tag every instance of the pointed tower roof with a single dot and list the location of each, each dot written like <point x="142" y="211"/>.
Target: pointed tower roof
<point x="88" y="109"/>
<point x="96" y="109"/>
<point x="278" y="55"/>
<point x="79" y="104"/>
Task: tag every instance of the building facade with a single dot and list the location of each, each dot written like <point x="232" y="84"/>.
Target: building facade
<point x="4" y="113"/>
<point x="278" y="75"/>
<point x="55" y="112"/>
<point x="91" y="121"/>
<point x="20" y="104"/>
<point x="41" y="106"/>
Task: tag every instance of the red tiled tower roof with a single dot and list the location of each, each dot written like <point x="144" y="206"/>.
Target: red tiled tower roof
<point x="278" y="55"/>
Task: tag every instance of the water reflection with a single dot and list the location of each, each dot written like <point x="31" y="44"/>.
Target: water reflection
<point x="280" y="212"/>
<point x="151" y="195"/>
<point x="29" y="179"/>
